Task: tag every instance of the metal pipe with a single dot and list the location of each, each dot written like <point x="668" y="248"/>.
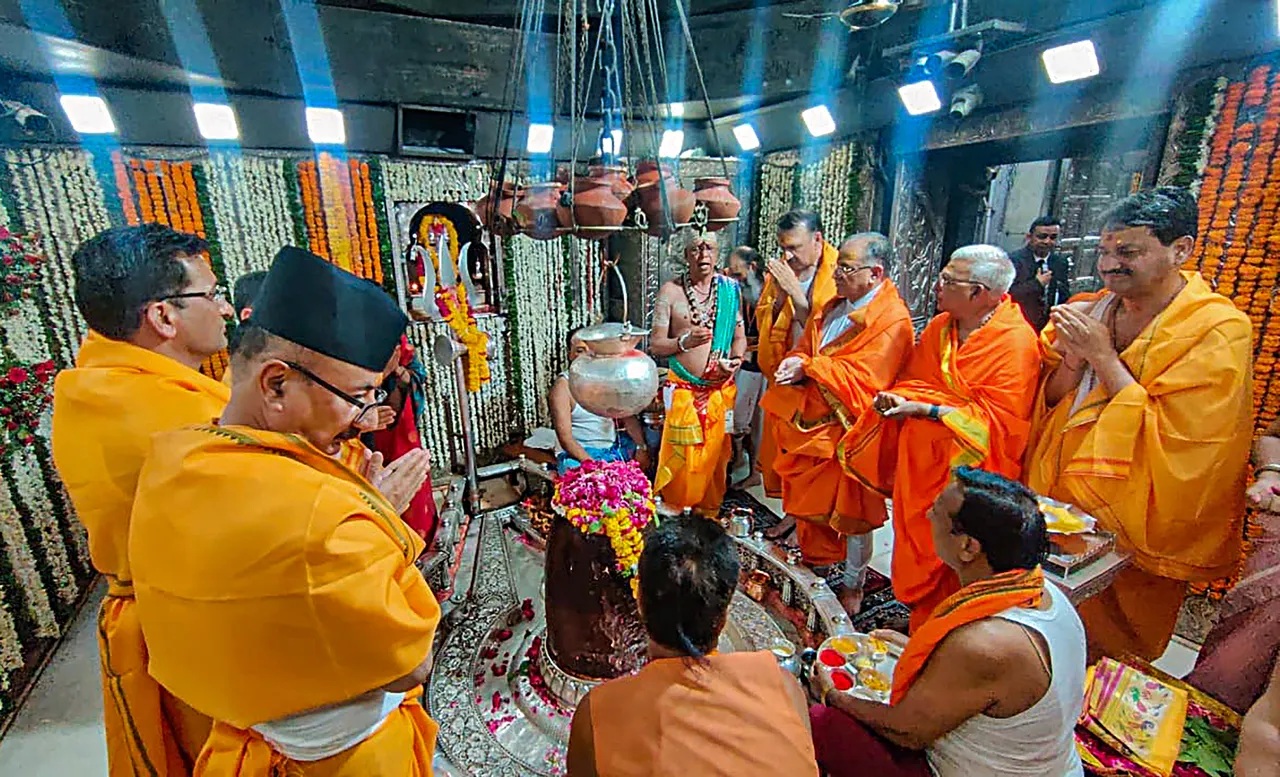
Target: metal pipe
<point x="955" y="8"/>
<point x="511" y="465"/>
<point x="468" y="443"/>
<point x="964" y="14"/>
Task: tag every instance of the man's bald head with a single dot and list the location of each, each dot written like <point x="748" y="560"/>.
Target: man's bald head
<point x="869" y="248"/>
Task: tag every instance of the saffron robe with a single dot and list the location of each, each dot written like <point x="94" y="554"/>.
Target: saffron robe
<point x="271" y="580"/>
<point x="990" y="379"/>
<point x="729" y="716"/>
<point x="776" y="341"/>
<point x="105" y="411"/>
<point x="842" y="378"/>
<point x="1162" y="464"/>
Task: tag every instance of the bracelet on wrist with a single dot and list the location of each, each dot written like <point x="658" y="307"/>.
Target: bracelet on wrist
<point x="935" y="412"/>
<point x="1273" y="468"/>
<point x="680" y="342"/>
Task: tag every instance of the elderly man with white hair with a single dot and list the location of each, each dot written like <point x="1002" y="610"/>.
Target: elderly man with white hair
<point x="964" y="399"/>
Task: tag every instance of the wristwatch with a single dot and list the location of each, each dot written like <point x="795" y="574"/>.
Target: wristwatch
<point x="934" y="411"/>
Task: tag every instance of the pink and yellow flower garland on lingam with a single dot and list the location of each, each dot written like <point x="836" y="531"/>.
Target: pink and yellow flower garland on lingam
<point x="613" y="498"/>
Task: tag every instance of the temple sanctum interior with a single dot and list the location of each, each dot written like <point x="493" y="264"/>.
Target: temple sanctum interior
<point x="788" y="387"/>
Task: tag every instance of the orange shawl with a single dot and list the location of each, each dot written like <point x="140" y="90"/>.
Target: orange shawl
<point x="1163" y="462"/>
<point x="810" y="418"/>
<point x="272" y="579"/>
<point x="983" y="599"/>
<point x="105" y="412"/>
<point x="990" y="379"/>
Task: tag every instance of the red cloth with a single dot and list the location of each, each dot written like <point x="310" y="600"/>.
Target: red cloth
<point x="397" y="440"/>
<point x="847" y="748"/>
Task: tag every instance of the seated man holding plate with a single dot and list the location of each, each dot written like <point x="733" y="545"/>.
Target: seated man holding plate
<point x="993" y="682"/>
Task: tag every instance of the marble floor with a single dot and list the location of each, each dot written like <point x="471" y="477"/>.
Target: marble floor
<point x="58" y="732"/>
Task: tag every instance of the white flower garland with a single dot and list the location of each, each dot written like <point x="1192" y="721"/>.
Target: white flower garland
<point x="1210" y="125"/>
<point x="250" y="193"/>
<point x="24" y="333"/>
<point x="10" y="645"/>
<point x="34" y="491"/>
<point x="23" y="563"/>
<point x="432" y="181"/>
<point x="440" y="424"/>
<point x="61" y="199"/>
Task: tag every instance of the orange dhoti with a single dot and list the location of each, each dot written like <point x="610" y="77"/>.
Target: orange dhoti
<point x="403" y="745"/>
<point x="842" y="377"/>
<point x="105" y="412"/>
<point x="989" y="380"/>
<point x="693" y="462"/>
<point x="1161" y="463"/>
<point x="149" y="731"/>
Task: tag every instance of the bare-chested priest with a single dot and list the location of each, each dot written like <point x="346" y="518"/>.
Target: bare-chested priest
<point x="698" y="323"/>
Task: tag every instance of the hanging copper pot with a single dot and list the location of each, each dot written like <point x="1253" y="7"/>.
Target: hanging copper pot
<point x="648" y="170"/>
<point x="501" y="219"/>
<point x="616" y="177"/>
<point x="594" y="206"/>
<point x="535" y="210"/>
<point x="680" y="201"/>
<point x="722" y="206"/>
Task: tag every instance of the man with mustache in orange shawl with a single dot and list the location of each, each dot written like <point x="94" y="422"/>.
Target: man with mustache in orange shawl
<point x="1144" y="420"/>
<point x="849" y="353"/>
<point x="800" y="282"/>
<point x="155" y="312"/>
<point x="964" y="399"/>
<point x="276" y="585"/>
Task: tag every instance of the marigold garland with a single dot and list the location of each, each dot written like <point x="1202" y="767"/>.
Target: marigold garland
<point x="169" y="193"/>
<point x="1240" y="231"/>
<point x="452" y="304"/>
<point x="613" y="498"/>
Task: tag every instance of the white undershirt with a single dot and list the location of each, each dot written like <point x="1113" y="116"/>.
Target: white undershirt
<point x="318" y="734"/>
<point x="838" y="322"/>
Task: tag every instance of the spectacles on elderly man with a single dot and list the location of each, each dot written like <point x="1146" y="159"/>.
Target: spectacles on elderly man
<point x="845" y="269"/>
<point x="947" y="280"/>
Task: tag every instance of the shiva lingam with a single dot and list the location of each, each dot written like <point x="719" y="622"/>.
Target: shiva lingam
<point x="613" y="379"/>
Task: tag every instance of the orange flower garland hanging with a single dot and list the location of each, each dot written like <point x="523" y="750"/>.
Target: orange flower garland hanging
<point x="162" y="192"/>
<point x="452" y="301"/>
<point x="339" y="213"/>
<point x="1239" y="250"/>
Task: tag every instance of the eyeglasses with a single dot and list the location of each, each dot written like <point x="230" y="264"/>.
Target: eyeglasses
<point x="378" y="394"/>
<point x="946" y="280"/>
<point x="842" y="269"/>
<point x="217" y="294"/>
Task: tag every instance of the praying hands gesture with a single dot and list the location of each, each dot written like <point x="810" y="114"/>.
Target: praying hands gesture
<point x="790" y="371"/>
<point x="400" y="480"/>
<point x="1081" y="337"/>
<point x="786" y="279"/>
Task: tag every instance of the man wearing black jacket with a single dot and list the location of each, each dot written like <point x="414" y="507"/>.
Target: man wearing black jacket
<point x="1043" y="278"/>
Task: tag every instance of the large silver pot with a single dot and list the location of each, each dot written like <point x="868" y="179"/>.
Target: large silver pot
<point x="613" y="379"/>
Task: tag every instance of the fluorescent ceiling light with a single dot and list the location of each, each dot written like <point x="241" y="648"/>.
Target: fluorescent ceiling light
<point x="818" y="121"/>
<point x="1071" y="62"/>
<point x="216" y="122"/>
<point x="919" y="98"/>
<point x="672" y="143"/>
<point x="325" y="126"/>
<point x="677" y="110"/>
<point x="540" y="137"/>
<point x="746" y="136"/>
<point x="88" y="114"/>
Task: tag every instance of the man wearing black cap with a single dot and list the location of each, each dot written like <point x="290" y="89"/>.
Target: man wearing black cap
<point x="275" y="584"/>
